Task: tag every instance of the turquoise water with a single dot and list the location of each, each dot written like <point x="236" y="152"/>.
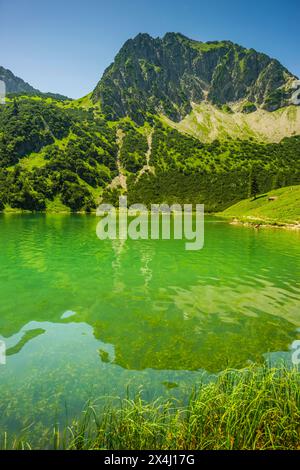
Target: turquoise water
<point x="84" y="319"/>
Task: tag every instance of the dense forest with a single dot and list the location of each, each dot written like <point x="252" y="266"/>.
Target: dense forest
<point x="58" y="151"/>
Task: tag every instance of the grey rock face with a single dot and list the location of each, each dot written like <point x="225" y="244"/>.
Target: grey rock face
<point x="165" y="75"/>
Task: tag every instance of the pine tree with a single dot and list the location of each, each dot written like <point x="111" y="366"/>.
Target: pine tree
<point x="15" y="109"/>
<point x="253" y="184"/>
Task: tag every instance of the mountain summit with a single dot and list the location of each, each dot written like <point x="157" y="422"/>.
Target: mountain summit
<point x="166" y="75"/>
<point x="201" y="131"/>
<point x="17" y="85"/>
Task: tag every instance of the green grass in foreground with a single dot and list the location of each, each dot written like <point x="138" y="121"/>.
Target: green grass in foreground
<point x="257" y="408"/>
<point x="281" y="206"/>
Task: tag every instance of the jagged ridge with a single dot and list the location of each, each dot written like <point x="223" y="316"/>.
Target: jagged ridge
<point x="16" y="85"/>
<point x="166" y="75"/>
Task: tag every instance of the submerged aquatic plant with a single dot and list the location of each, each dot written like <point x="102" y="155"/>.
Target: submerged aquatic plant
<point x="256" y="408"/>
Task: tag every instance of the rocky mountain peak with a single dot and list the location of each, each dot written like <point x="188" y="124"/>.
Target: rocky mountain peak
<point x="165" y="75"/>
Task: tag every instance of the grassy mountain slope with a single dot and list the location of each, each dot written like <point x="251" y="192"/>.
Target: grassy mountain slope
<point x="55" y="154"/>
<point x="281" y="206"/>
<point x="171" y="120"/>
<point x="208" y="122"/>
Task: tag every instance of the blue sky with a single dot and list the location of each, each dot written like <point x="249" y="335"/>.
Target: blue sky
<point x="64" y="46"/>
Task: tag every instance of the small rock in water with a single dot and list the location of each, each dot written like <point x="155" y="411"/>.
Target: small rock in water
<point x="68" y="314"/>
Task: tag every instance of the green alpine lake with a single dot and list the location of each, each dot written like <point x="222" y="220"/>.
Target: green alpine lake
<point x="84" y="319"/>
